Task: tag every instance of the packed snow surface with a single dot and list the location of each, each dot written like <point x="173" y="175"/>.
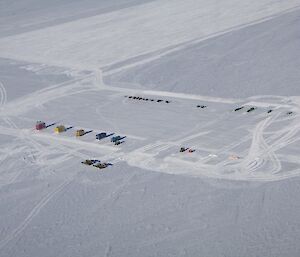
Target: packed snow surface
<point x="112" y="37"/>
<point x="217" y="78"/>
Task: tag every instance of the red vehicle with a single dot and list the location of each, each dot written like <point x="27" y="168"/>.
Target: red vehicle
<point x="40" y="125"/>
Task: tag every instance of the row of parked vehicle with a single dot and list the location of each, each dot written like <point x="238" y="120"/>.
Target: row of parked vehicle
<point x="186" y="149"/>
<point x="115" y="139"/>
<point x="40" y="125"/>
<point x="96" y="163"/>
<point x="251" y="109"/>
<point x="147" y="99"/>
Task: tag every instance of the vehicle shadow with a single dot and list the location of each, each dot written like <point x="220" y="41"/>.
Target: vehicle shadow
<point x="87" y="132"/>
<point x="50" y="125"/>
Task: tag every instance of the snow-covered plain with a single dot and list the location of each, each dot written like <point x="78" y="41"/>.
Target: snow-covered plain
<point x="78" y="66"/>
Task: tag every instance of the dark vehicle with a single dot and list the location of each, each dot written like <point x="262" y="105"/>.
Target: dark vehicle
<point x="240" y="108"/>
<point x="90" y="162"/>
<point x="119" y="142"/>
<point x="115" y="139"/>
<point x="269" y="111"/>
<point x="101" y="136"/>
<point x="251" y="109"/>
<point x="201" y="106"/>
<point x="101" y="165"/>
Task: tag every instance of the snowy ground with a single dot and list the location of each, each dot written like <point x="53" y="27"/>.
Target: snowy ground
<point x="80" y="70"/>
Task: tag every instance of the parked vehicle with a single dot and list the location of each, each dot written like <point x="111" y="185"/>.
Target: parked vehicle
<point x="115" y="139"/>
<point x="251" y="109"/>
<point x="40" y="125"/>
<point x="79" y="132"/>
<point x="100" y="165"/>
<point x="101" y="136"/>
<point x="60" y="129"/>
<point x="90" y="162"/>
<point x="239" y="108"/>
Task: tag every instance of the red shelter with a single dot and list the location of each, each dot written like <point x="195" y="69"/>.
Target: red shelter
<point x="40" y="125"/>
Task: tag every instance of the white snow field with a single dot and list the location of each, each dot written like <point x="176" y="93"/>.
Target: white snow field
<point x="108" y="38"/>
<point x="163" y="75"/>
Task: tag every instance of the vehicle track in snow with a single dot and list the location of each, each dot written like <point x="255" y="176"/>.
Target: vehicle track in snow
<point x="37" y="150"/>
<point x="262" y="153"/>
<point x="259" y="150"/>
<point x="3" y="95"/>
<point x="43" y="96"/>
<point x="145" y="156"/>
<point x="33" y="213"/>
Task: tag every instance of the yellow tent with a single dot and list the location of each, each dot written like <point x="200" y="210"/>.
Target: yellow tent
<point x="59" y="129"/>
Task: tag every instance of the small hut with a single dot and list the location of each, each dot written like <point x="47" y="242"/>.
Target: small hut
<point x="40" y="125"/>
<point x="79" y="132"/>
<point x="60" y="129"/>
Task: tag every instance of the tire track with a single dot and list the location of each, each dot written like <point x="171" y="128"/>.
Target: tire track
<point x="258" y="149"/>
<point x="3" y="95"/>
<point x="34" y="212"/>
<point x="45" y="95"/>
